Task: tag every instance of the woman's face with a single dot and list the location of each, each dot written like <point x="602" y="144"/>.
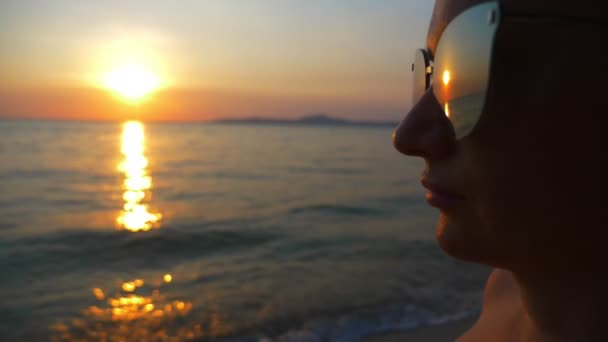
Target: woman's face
<point x="526" y="187"/>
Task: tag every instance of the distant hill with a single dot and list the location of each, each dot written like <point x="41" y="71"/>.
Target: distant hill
<point x="316" y="119"/>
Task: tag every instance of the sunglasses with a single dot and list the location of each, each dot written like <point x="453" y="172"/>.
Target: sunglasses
<point x="459" y="71"/>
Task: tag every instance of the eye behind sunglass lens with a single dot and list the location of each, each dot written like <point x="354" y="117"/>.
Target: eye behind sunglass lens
<point x="461" y="66"/>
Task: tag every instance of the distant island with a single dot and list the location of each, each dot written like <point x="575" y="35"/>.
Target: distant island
<point x="316" y="119"/>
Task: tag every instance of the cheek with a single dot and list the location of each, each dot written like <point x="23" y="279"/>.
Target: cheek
<point x="529" y="185"/>
<point x="537" y="157"/>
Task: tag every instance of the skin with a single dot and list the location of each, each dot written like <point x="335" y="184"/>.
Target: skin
<point x="532" y="172"/>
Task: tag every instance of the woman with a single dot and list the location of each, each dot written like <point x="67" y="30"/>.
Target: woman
<point x="510" y="118"/>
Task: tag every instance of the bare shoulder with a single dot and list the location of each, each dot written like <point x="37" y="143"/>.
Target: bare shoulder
<point x="501" y="307"/>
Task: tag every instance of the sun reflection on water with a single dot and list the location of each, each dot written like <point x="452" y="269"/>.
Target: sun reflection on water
<point x="135" y="216"/>
<point x="131" y="316"/>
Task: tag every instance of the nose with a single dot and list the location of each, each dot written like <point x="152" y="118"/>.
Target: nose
<point x="426" y="131"/>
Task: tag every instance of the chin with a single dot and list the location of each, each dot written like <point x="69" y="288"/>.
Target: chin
<point x="463" y="240"/>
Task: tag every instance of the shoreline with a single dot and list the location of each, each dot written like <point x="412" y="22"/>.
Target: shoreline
<point x="439" y="333"/>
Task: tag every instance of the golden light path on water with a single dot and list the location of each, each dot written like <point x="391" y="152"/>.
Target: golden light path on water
<point x="135" y="216"/>
<point x="136" y="312"/>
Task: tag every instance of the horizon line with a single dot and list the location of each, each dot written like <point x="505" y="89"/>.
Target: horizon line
<point x="201" y="121"/>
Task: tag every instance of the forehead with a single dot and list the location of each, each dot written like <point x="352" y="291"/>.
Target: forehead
<point x="446" y="10"/>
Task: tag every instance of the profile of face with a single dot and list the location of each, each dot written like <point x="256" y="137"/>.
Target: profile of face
<point x="525" y="186"/>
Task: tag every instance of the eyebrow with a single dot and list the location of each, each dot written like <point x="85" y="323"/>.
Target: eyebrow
<point x="576" y="10"/>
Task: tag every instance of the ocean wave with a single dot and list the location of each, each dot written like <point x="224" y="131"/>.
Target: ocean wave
<point x="355" y="326"/>
<point x="32" y="174"/>
<point x="118" y="250"/>
<point x="337" y="210"/>
<point x="55" y="174"/>
<point x="329" y="170"/>
<point x="190" y="195"/>
<point x="7" y="226"/>
<point x="232" y="175"/>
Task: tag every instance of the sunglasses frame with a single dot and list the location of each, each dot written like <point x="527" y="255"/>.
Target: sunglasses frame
<point x="428" y="67"/>
<point x="495" y="16"/>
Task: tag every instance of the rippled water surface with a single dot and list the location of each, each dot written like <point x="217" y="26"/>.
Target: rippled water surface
<point x="238" y="232"/>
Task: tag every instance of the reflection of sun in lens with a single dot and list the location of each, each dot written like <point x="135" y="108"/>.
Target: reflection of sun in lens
<point x="446" y="78"/>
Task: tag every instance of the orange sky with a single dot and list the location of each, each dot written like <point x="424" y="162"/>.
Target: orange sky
<point x="175" y="104"/>
<point x="214" y="59"/>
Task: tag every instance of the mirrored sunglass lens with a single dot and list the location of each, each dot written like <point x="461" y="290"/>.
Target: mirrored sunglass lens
<point x="462" y="65"/>
<point x="421" y="77"/>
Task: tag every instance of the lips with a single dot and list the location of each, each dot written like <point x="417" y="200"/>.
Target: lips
<point x="440" y="197"/>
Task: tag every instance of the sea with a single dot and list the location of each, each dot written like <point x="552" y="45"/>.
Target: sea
<point x="133" y="231"/>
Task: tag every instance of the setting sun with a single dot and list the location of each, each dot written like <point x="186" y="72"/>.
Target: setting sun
<point x="132" y="81"/>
